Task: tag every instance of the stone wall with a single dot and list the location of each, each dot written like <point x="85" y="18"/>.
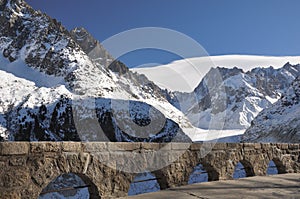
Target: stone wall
<point x="109" y="168"/>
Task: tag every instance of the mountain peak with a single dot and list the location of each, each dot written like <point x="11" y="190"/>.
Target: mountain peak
<point x="287" y="64"/>
<point x="81" y="35"/>
<point x="96" y="51"/>
<point x="224" y="72"/>
<point x="45" y="69"/>
<point x="91" y="47"/>
<point x="33" y="38"/>
<point x="79" y="29"/>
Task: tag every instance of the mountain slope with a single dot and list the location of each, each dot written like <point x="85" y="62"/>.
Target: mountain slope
<point x="232" y="97"/>
<point x="280" y="122"/>
<point x="39" y="52"/>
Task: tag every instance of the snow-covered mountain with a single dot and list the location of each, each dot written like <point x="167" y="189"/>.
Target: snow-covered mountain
<point x="227" y="97"/>
<point x="61" y="85"/>
<point x="51" y="85"/>
<point x="232" y="98"/>
<point x="280" y="122"/>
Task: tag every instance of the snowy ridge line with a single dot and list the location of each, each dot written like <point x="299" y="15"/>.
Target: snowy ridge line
<point x="185" y="68"/>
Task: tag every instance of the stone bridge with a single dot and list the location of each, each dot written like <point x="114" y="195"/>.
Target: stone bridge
<point x="109" y="168"/>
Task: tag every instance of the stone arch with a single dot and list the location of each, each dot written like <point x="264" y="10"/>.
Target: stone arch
<point x="92" y="188"/>
<point x="280" y="165"/>
<point x="213" y="174"/>
<point x="246" y="167"/>
<point x="144" y="183"/>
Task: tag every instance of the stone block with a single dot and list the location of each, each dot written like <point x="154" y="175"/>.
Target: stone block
<point x="94" y="146"/>
<point x="17" y="161"/>
<point x="236" y="145"/>
<point x="220" y="146"/>
<point x="180" y="146"/>
<point x="257" y="145"/>
<point x="150" y="146"/>
<point x="123" y="146"/>
<point x="102" y="157"/>
<point x="14" y="148"/>
<point x="42" y="147"/>
<point x="196" y="146"/>
<point x="165" y="146"/>
<point x="209" y="148"/>
<point x="294" y="146"/>
<point x="265" y="146"/>
<point x="132" y="162"/>
<point x="283" y="146"/>
<point x="248" y="146"/>
<point x="71" y="146"/>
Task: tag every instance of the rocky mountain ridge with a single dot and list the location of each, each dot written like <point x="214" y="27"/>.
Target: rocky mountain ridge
<point x="39" y="53"/>
<point x="234" y="97"/>
<point x="279" y="122"/>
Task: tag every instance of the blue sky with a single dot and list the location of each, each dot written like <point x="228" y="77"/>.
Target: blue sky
<point x="259" y="27"/>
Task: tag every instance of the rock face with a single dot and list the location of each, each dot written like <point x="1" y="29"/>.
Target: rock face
<point x="101" y="57"/>
<point x="43" y="39"/>
<point x="234" y="97"/>
<point x="280" y="122"/>
<point x="96" y="51"/>
<point x="93" y="48"/>
<point x="46" y="70"/>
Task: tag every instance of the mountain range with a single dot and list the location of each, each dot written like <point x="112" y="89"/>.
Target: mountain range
<point x="62" y="85"/>
<point x="235" y="96"/>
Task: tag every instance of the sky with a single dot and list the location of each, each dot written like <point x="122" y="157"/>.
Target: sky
<point x="253" y="27"/>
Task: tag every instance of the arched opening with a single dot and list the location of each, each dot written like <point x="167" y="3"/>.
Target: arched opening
<point x="272" y="168"/>
<point x="243" y="169"/>
<point x="143" y="183"/>
<point x="198" y="175"/>
<point x="70" y="186"/>
<point x="279" y="166"/>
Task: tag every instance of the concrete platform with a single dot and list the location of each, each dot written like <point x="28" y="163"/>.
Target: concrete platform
<point x="276" y="186"/>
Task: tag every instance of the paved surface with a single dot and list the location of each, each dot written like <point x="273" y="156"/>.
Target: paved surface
<point x="277" y="186"/>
